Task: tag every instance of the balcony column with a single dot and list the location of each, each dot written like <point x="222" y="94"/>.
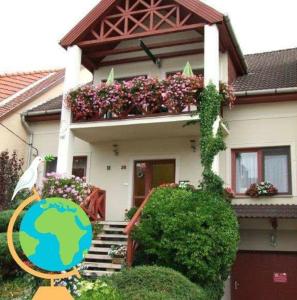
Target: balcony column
<point x="212" y="69"/>
<point x="66" y="137"/>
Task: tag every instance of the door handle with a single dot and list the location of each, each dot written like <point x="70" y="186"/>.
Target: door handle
<point x="236" y="285"/>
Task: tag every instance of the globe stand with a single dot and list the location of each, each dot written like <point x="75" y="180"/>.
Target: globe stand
<point x="47" y="292"/>
<point x="52" y="292"/>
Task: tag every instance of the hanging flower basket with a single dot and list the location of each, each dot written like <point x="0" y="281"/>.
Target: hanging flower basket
<point x="263" y="189"/>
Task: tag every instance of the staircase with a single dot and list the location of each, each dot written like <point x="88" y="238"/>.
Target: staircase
<point x="97" y="261"/>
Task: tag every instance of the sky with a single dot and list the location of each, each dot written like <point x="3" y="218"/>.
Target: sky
<point x="30" y="30"/>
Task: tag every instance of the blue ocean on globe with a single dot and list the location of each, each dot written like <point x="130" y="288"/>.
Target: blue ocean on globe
<point x="55" y="234"/>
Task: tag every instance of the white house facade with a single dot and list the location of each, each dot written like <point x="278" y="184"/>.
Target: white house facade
<point x="127" y="157"/>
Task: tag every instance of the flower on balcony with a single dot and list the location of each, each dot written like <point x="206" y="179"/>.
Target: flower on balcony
<point x="261" y="190"/>
<point x="74" y="188"/>
<point x="140" y="96"/>
<point x="229" y="193"/>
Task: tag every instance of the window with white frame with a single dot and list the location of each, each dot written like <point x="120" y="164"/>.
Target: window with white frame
<point x="262" y="164"/>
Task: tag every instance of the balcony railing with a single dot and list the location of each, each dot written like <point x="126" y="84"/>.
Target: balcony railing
<point x="139" y="97"/>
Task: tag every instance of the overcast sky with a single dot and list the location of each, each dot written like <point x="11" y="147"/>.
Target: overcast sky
<point x="31" y="29"/>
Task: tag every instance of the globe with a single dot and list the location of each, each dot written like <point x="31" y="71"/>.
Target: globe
<point x="55" y="234"/>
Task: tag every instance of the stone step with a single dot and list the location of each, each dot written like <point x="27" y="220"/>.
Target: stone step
<point x="114" y="223"/>
<point x="115" y="229"/>
<point x="114" y="236"/>
<point x="102" y="265"/>
<point x="103" y="242"/>
<point x="97" y="273"/>
<point x="98" y="256"/>
<point x="99" y="249"/>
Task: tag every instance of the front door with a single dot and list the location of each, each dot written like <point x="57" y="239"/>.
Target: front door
<point x="264" y="276"/>
<point x="149" y="174"/>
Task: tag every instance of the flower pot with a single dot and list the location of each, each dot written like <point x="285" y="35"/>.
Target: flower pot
<point x="118" y="260"/>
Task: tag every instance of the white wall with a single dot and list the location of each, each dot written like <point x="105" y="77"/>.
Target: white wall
<point x="262" y="125"/>
<point x="148" y="68"/>
<point x="119" y="183"/>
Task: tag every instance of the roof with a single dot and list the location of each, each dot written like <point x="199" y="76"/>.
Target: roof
<point x="30" y="93"/>
<point x="266" y="211"/>
<point x="15" y="82"/>
<point x="51" y="105"/>
<point x="196" y="6"/>
<point x="113" y="21"/>
<point x="269" y="70"/>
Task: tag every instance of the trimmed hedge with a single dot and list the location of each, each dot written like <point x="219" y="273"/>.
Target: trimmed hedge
<point x="154" y="283"/>
<point x="5" y="218"/>
<point x="193" y="232"/>
<point x="7" y="264"/>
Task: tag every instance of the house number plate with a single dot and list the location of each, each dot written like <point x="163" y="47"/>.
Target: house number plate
<point x="280" y="277"/>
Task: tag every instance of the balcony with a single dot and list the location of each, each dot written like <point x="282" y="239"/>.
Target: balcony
<point x="138" y="98"/>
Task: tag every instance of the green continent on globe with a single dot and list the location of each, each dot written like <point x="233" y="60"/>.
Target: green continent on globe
<point x="55" y="234"/>
<point x="68" y="239"/>
<point x="29" y="243"/>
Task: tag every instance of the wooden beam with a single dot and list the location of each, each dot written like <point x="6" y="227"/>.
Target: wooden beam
<point x="146" y="58"/>
<point x="94" y="43"/>
<point x="99" y="54"/>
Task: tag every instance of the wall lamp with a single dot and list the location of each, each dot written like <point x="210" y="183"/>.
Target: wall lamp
<point x="116" y="149"/>
<point x="193" y="145"/>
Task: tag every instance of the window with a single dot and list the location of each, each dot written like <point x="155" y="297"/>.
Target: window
<point x="51" y="166"/>
<point x="195" y="71"/>
<point x="79" y="167"/>
<point x="121" y="79"/>
<point x="266" y="164"/>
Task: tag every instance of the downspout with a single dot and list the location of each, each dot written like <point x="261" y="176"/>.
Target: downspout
<point x="30" y="133"/>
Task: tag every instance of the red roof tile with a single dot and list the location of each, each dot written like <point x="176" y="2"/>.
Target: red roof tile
<point x="28" y="95"/>
<point x="13" y="83"/>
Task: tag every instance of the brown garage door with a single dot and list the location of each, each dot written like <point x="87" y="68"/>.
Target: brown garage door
<point x="264" y="276"/>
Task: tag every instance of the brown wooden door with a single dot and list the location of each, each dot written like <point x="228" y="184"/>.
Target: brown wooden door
<point x="264" y="276"/>
<point x="149" y="174"/>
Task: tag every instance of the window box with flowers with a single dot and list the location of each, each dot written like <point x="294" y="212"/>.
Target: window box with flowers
<point x="262" y="189"/>
<point x="261" y="172"/>
<point x="139" y="97"/>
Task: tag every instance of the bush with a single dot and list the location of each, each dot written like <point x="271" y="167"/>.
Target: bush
<point x="74" y="188"/>
<point x="8" y="266"/>
<point x="10" y="172"/>
<point x="152" y="282"/>
<point x="130" y="213"/>
<point x="193" y="232"/>
<point x="98" y="290"/>
<point x="5" y="218"/>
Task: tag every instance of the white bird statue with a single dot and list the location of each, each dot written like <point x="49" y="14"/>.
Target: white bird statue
<point x="29" y="178"/>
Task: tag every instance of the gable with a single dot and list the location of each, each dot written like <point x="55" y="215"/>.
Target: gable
<point x="111" y="20"/>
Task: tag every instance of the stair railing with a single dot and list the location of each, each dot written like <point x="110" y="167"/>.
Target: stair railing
<point x="94" y="205"/>
<point x="132" y="245"/>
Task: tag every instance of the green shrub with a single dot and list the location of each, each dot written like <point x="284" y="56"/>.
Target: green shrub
<point x="5" y="218"/>
<point x="193" y="232"/>
<point x="130" y="213"/>
<point x="98" y="290"/>
<point x="152" y="282"/>
<point x="7" y="264"/>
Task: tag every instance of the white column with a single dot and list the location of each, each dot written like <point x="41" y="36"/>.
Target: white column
<point x="211" y="55"/>
<point x="66" y="137"/>
<point x="212" y="70"/>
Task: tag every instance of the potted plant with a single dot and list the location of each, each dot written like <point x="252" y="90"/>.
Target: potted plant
<point x="262" y="189"/>
<point x="118" y="254"/>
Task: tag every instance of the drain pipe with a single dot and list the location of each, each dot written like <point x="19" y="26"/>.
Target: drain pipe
<point x="30" y="133"/>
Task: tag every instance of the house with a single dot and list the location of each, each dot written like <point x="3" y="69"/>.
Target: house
<point x="127" y="156"/>
<point x="20" y="92"/>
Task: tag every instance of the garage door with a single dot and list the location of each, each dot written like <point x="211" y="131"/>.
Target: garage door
<point x="264" y="276"/>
